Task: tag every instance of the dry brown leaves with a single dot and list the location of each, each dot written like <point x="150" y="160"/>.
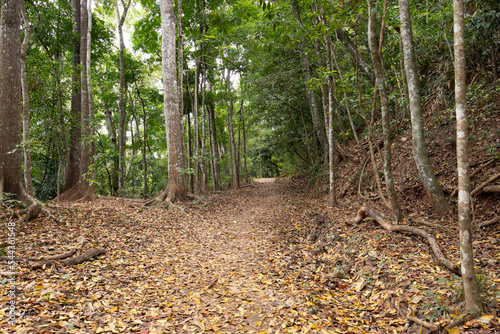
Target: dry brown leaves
<point x="246" y="263"/>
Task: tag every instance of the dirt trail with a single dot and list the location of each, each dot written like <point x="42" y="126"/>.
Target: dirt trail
<point x="230" y="259"/>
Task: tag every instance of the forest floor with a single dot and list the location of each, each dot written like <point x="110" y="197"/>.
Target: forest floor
<point x="268" y="258"/>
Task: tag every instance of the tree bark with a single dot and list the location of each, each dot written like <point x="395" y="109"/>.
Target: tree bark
<point x="420" y="154"/>
<point x="72" y="173"/>
<point x="176" y="188"/>
<point x="232" y="145"/>
<point x="11" y="177"/>
<point x="215" y="142"/>
<point x="196" y="128"/>
<point x="386" y="128"/>
<point x="351" y="48"/>
<point x="26" y="103"/>
<point x="319" y="128"/>
<point x="122" y="113"/>
<point x="471" y="291"/>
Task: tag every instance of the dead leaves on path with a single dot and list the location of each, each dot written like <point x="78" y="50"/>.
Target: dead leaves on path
<point x="244" y="264"/>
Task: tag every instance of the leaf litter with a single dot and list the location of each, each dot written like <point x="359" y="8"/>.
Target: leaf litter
<point x="257" y="260"/>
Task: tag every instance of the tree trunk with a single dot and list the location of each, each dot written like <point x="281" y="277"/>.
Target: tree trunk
<point x="176" y="188"/>
<point x="86" y="133"/>
<point x="72" y="174"/>
<point x="11" y="177"/>
<point x="331" y="106"/>
<point x="196" y="130"/>
<point x="112" y="137"/>
<point x="122" y="112"/>
<point x="351" y="48"/>
<point x="471" y="291"/>
<point x="236" y="173"/>
<point x="319" y="128"/>
<point x="90" y="98"/>
<point x="203" y="162"/>
<point x="420" y="154"/>
<point x="144" y="141"/>
<point x="386" y="128"/>
<point x="215" y="142"/>
<point x="26" y="103"/>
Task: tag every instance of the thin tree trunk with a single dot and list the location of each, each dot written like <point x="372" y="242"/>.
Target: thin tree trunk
<point x="386" y="128"/>
<point x="353" y="51"/>
<point x="144" y="141"/>
<point x="215" y="143"/>
<point x="420" y="154"/>
<point x="90" y="97"/>
<point x="203" y="136"/>
<point x="319" y="128"/>
<point x="235" y="171"/>
<point x="122" y="113"/>
<point x="471" y="291"/>
<point x="86" y="133"/>
<point x="112" y="137"/>
<point x="196" y="135"/>
<point x="189" y="143"/>
<point x="26" y="103"/>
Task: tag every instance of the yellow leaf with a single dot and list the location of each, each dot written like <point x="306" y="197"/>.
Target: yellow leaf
<point x="485" y="319"/>
<point x="454" y="330"/>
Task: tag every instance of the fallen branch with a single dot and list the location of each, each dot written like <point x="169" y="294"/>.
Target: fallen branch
<point x="367" y="211"/>
<point x="490" y="222"/>
<point x="484" y="184"/>
<point x="9" y="273"/>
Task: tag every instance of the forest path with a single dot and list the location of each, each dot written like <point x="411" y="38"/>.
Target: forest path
<point x="229" y="260"/>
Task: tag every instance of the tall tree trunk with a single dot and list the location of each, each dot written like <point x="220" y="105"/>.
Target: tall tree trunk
<point x="319" y="128"/>
<point x="176" y="188"/>
<point x="72" y="174"/>
<point x="215" y="142"/>
<point x="420" y="154"/>
<point x="471" y="291"/>
<point x="203" y="162"/>
<point x="386" y="128"/>
<point x="11" y="177"/>
<point x="86" y="133"/>
<point x="90" y="98"/>
<point x="232" y="145"/>
<point x="196" y="129"/>
<point x="144" y="141"/>
<point x="26" y="103"/>
<point x="112" y="137"/>
<point x="122" y="112"/>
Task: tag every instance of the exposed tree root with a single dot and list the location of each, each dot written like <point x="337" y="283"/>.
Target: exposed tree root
<point x="490" y="222"/>
<point x="364" y="212"/>
<point x="68" y="262"/>
<point x="491" y="189"/>
<point x="459" y="322"/>
<point x="425" y="324"/>
<point x="484" y="184"/>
